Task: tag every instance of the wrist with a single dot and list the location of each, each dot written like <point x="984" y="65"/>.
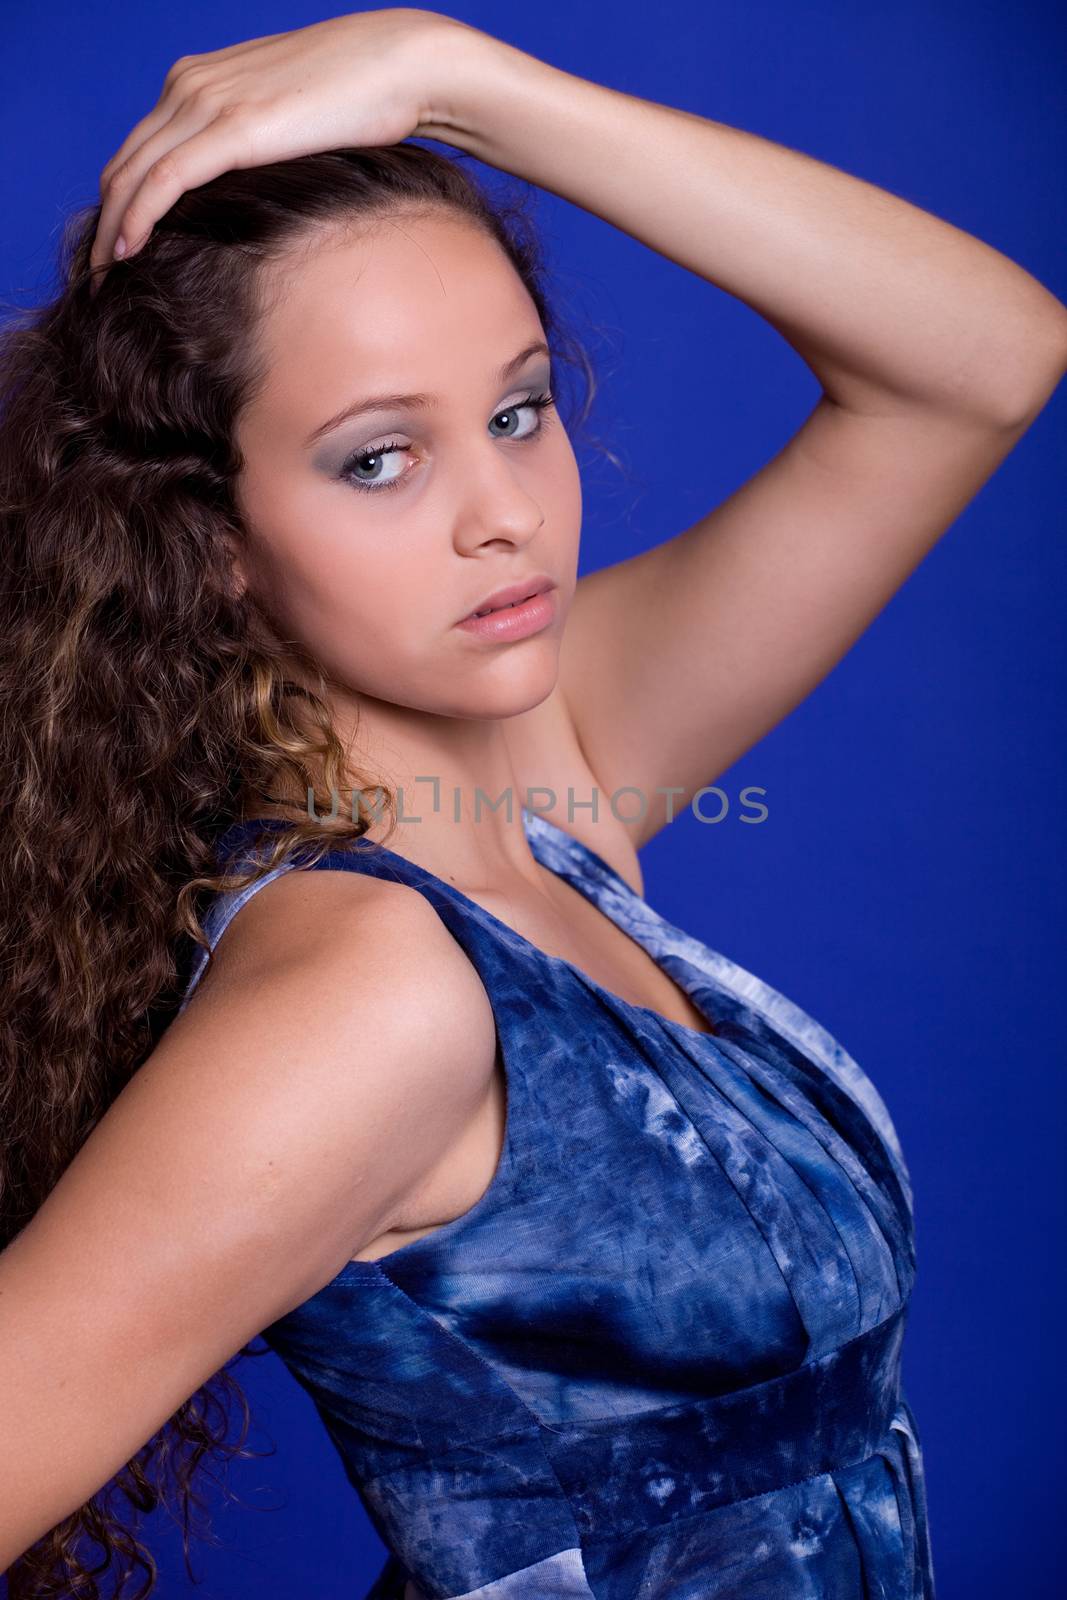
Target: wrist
<point x="473" y="81"/>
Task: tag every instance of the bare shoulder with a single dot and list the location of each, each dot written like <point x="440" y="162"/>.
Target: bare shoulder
<point x="358" y="924"/>
<point x="339" y="1048"/>
<point x="364" y="972"/>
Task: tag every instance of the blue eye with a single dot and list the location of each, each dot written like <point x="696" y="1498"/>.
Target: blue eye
<point x="370" y="459"/>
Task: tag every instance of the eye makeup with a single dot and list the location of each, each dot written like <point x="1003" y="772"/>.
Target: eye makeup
<point x="539" y="403"/>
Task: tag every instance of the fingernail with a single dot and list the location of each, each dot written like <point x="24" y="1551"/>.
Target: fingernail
<point x="120" y="246"/>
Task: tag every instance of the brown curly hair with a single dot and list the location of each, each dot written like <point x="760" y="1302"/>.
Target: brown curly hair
<point x="141" y="697"/>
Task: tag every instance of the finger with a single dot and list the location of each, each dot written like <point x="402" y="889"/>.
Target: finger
<point x="138" y="135"/>
<point x="179" y="76"/>
<point x="224" y="144"/>
<point x="124" y="170"/>
<point x="187" y="73"/>
<point x="125" y="180"/>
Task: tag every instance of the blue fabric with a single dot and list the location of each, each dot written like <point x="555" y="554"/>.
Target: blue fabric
<point x="660" y="1357"/>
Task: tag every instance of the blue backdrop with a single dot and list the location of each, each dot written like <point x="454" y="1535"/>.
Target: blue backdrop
<point x="907" y="886"/>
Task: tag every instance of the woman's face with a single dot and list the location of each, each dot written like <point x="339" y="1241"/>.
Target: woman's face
<point x="372" y="558"/>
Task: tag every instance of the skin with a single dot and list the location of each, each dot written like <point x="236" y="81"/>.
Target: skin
<point x="350" y="1068"/>
<point x="375" y="580"/>
<point x="933" y="354"/>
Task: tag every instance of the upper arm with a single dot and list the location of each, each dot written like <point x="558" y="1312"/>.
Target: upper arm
<point x="676" y="661"/>
<point x="320" y="1071"/>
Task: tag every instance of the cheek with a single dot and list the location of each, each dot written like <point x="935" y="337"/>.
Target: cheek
<point x="364" y="614"/>
<point x="562" y="501"/>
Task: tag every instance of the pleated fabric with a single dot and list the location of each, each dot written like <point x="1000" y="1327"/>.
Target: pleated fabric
<point x="661" y="1356"/>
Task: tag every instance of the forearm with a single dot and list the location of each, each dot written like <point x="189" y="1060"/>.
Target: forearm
<point x="890" y="306"/>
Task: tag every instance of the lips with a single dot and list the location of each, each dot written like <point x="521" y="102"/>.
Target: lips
<point x="512" y="595"/>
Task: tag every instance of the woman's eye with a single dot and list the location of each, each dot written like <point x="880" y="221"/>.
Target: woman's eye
<point x="534" y="403"/>
<point x="364" y="469"/>
<point x="371" y="461"/>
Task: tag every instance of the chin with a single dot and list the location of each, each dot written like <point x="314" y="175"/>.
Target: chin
<point x="504" y="693"/>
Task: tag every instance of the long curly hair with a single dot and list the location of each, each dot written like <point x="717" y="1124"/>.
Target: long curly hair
<point x="141" y="696"/>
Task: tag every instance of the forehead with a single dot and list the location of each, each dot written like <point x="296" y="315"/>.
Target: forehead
<point x="404" y="298"/>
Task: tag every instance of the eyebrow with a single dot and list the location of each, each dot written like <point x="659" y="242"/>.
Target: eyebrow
<point x="417" y="402"/>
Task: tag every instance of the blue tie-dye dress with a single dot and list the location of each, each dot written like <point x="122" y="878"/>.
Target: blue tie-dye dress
<point x="660" y="1357"/>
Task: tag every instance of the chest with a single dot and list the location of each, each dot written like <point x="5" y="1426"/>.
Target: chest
<point x="568" y="925"/>
<point x="561" y="922"/>
<point x="565" y="923"/>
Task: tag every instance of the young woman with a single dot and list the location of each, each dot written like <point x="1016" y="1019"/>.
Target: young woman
<point x="593" y="1250"/>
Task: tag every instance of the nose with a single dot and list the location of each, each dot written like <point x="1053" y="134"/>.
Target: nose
<point x="495" y="500"/>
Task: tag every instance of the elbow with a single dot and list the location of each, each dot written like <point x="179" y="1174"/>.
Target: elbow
<point x="1032" y="373"/>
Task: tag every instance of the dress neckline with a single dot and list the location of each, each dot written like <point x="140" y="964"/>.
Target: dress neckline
<point x="583" y="854"/>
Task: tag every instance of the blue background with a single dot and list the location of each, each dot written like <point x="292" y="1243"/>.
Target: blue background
<point x="908" y="886"/>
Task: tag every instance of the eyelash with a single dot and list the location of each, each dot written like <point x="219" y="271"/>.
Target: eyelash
<point x="539" y="402"/>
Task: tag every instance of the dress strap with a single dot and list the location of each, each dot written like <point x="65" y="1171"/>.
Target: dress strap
<point x="474" y="929"/>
